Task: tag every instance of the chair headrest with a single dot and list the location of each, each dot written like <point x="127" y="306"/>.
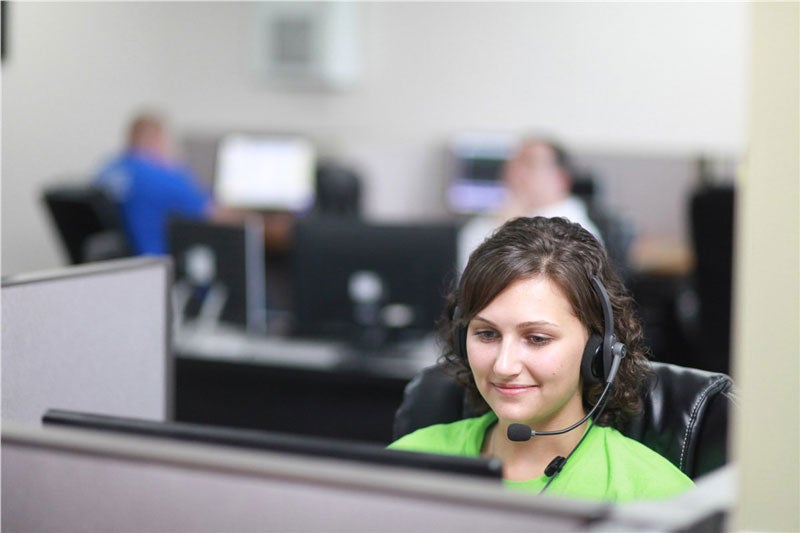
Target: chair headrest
<point x="685" y="417"/>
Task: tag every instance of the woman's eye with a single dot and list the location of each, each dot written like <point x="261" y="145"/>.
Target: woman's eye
<point x="486" y="335"/>
<point x="538" y="339"/>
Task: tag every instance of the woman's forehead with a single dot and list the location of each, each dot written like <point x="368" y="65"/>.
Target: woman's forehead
<point x="533" y="294"/>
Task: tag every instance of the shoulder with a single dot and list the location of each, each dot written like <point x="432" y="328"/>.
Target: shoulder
<point x="134" y="166"/>
<point x="115" y="176"/>
<point x="149" y="166"/>
<point x="118" y="163"/>
<point x="471" y="234"/>
<point x="477" y="228"/>
<point x="636" y="471"/>
<point x="573" y="209"/>
<point x="464" y="437"/>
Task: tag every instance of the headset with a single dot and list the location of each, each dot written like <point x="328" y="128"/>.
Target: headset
<point x="600" y="363"/>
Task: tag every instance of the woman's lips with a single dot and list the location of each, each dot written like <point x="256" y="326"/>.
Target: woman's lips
<point x="510" y="389"/>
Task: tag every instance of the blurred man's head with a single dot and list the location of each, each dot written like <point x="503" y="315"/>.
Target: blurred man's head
<point x="538" y="174"/>
<point x="148" y="134"/>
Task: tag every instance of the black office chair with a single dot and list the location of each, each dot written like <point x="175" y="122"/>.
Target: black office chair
<point x="338" y="191"/>
<point x="88" y="221"/>
<point x="711" y="217"/>
<point x="685" y="415"/>
<point x="617" y="230"/>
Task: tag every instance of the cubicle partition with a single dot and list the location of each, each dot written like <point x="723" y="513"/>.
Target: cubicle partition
<point x="70" y="480"/>
<point x="93" y="337"/>
<point x="96" y="482"/>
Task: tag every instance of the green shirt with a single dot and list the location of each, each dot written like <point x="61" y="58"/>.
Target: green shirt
<point x="606" y="466"/>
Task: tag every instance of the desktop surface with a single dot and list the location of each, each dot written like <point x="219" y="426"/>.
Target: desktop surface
<point x="227" y="377"/>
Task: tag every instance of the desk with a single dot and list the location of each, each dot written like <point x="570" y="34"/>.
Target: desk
<point x="226" y="377"/>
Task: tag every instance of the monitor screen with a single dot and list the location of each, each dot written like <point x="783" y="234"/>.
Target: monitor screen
<point x="274" y="173"/>
<point x="278" y="442"/>
<point x="349" y="276"/>
<point x="476" y="166"/>
<point x="219" y="272"/>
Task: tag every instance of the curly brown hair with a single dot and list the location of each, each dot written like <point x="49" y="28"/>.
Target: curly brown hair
<point x="568" y="255"/>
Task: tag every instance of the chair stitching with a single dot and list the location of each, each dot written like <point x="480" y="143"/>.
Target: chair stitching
<point x="720" y="380"/>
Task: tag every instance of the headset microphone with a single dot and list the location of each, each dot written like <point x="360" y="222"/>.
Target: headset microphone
<point x="522" y="433"/>
<point x="519" y="432"/>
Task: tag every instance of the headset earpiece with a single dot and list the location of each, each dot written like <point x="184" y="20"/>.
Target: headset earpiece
<point x="604" y="365"/>
<point x="460" y="337"/>
<point x="592" y="367"/>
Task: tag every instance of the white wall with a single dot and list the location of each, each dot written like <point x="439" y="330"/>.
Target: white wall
<point x="766" y="333"/>
<point x="662" y="78"/>
<point x="72" y="72"/>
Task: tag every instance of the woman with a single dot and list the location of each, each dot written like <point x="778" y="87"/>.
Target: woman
<point x="524" y="311"/>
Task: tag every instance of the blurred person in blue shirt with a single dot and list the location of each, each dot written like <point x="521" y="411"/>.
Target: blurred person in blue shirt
<point x="150" y="186"/>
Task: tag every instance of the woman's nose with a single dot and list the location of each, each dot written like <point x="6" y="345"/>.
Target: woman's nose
<point x="508" y="362"/>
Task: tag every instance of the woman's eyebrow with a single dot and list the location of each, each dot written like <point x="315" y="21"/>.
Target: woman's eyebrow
<point x="530" y="323"/>
<point x="484" y="320"/>
<point x="537" y="323"/>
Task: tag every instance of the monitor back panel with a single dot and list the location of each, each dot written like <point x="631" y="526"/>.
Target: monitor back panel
<point x="414" y="263"/>
<point x="226" y="258"/>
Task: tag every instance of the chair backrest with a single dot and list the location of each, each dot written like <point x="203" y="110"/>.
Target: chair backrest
<point x="617" y="230"/>
<point x="338" y="190"/>
<point x="88" y="222"/>
<point x="711" y="215"/>
<point x="685" y="414"/>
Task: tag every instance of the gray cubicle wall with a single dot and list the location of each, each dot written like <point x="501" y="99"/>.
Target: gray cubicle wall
<point x="92" y="337"/>
<point x="92" y="481"/>
<point x="87" y="481"/>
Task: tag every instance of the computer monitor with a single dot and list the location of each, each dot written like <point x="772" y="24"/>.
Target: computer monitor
<point x="90" y="337"/>
<point x="219" y="272"/>
<point x="351" y="278"/>
<point x="277" y="442"/>
<point x="265" y="172"/>
<point x="476" y="162"/>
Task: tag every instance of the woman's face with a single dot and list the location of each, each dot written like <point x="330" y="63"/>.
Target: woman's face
<point x="525" y="349"/>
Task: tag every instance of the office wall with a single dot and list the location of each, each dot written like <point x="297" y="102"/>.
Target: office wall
<point x="766" y="333"/>
<point x="70" y="75"/>
<point x="662" y="78"/>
